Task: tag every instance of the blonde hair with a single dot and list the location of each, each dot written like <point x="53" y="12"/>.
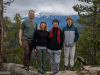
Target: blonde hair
<point x="46" y="27"/>
<point x="69" y="17"/>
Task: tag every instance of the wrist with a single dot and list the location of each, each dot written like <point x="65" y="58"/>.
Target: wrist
<point x="20" y="41"/>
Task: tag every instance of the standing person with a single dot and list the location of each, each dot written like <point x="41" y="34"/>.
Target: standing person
<point x="26" y="32"/>
<point x="70" y="37"/>
<point x="40" y="46"/>
<point x="55" y="43"/>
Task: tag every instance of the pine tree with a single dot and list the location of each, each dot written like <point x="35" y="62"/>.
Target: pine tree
<point x="7" y="31"/>
<point x="11" y="44"/>
<point x="11" y="31"/>
<point x="16" y="25"/>
<point x="89" y="16"/>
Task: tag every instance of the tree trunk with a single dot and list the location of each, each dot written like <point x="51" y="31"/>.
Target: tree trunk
<point x="15" y="42"/>
<point x="1" y="35"/>
<point x="94" y="35"/>
<point x="95" y="58"/>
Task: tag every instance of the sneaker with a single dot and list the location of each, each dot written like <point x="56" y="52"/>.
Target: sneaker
<point x="65" y="68"/>
<point x="72" y="69"/>
<point x="55" y="73"/>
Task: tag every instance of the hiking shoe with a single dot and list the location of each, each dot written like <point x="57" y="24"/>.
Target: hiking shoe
<point x="72" y="69"/>
<point x="65" y="68"/>
<point x="25" y="68"/>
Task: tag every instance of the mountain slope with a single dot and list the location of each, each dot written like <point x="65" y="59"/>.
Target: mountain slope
<point x="62" y="20"/>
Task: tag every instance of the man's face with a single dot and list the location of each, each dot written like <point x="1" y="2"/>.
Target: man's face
<point x="31" y="15"/>
<point x="55" y="24"/>
<point x="69" y="21"/>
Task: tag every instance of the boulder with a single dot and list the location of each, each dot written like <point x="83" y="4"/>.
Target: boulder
<point x="16" y="69"/>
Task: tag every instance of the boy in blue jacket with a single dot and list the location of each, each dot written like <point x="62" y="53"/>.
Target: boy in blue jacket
<point x="70" y="37"/>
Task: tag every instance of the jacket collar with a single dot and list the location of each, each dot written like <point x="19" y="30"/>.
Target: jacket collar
<point x="68" y="26"/>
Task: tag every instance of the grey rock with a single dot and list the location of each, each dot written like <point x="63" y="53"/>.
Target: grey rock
<point x="16" y="69"/>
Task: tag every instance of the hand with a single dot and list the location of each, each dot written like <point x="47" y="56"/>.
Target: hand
<point x="20" y="43"/>
<point x="35" y="51"/>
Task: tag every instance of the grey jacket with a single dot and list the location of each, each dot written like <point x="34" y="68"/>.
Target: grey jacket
<point x="70" y="35"/>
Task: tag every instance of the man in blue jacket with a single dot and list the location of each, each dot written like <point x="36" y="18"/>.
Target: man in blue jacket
<point x="70" y="37"/>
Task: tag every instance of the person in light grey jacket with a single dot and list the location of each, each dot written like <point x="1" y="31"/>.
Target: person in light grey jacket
<point x="70" y="37"/>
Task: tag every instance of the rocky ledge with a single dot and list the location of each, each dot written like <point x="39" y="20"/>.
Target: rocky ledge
<point x="16" y="69"/>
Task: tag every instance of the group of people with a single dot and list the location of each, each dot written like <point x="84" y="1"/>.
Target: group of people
<point x="32" y="36"/>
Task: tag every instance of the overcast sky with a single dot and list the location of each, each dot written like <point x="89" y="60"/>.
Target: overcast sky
<point x="43" y="7"/>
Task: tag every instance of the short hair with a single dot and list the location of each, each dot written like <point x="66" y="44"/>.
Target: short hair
<point x="55" y="20"/>
<point x="69" y="18"/>
<point x="30" y="11"/>
<point x="46" y="28"/>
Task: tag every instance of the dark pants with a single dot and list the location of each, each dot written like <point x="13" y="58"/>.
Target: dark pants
<point x="41" y="60"/>
<point x="28" y="46"/>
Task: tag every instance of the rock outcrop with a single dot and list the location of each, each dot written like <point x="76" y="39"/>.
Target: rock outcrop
<point x="16" y="69"/>
<point x="89" y="70"/>
<point x="86" y="70"/>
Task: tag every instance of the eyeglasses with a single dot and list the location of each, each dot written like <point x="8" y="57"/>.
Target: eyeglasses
<point x="31" y="14"/>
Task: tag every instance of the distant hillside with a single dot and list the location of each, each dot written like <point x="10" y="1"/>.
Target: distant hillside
<point x="62" y="20"/>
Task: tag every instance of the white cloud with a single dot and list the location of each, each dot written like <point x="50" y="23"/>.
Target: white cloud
<point x="41" y="7"/>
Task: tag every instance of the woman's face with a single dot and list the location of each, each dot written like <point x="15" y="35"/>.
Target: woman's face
<point x="43" y="25"/>
<point x="55" y="24"/>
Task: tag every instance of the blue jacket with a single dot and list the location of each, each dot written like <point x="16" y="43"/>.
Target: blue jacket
<point x="70" y="35"/>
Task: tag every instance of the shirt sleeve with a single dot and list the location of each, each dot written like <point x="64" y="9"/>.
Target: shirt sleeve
<point x="34" y="39"/>
<point x="22" y="25"/>
<point x="36" y="25"/>
<point x="76" y="35"/>
<point x="62" y="38"/>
